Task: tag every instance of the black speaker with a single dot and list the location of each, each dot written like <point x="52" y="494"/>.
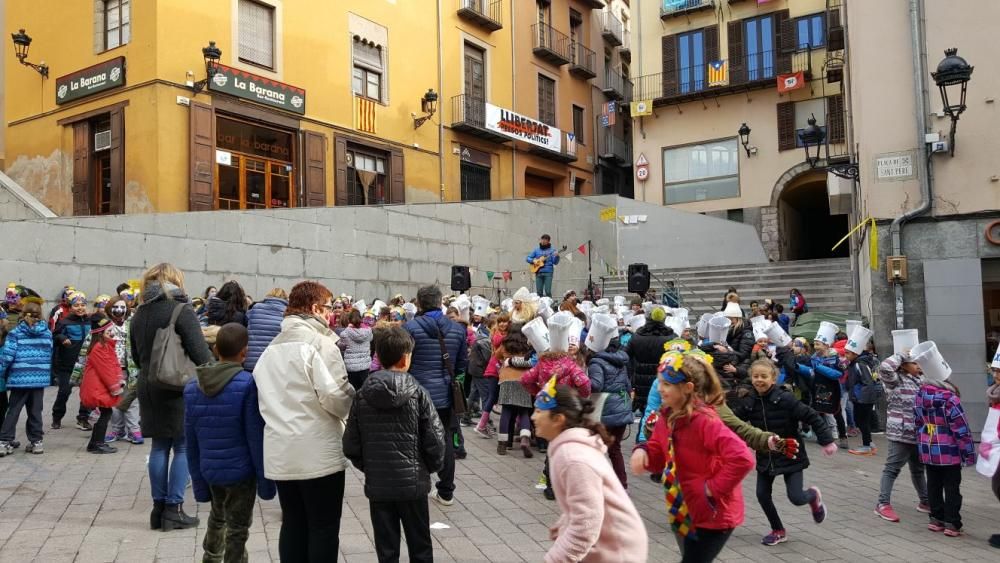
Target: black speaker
<point x="638" y="278"/>
<point x="461" y="280"/>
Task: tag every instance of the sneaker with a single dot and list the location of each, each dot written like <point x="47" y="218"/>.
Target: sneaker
<point x="34" y="448"/>
<point x="935" y="526"/>
<point x="483" y="431"/>
<point x="853" y="432"/>
<point x="842" y="444"/>
<point x="135" y="438"/>
<point x="501" y="448"/>
<point x="56" y="425"/>
<point x="84" y="424"/>
<point x="436" y="497"/>
<point x="885" y="512"/>
<point x="952" y="532"/>
<point x="817" y="506"/>
<point x="526" y="448"/>
<point x="543" y="448"/>
<point x="5" y="449"/>
<point x="491" y="426"/>
<point x="15" y="444"/>
<point x="112" y="437"/>
<point x="543" y="481"/>
<point x="101" y="449"/>
<point x="549" y="493"/>
<point x="774" y="538"/>
<point x="465" y="421"/>
<point x="863" y="450"/>
<point x="924" y="507"/>
<point x="461" y="454"/>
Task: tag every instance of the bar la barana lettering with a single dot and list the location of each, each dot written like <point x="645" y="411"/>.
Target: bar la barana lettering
<point x="258" y="89"/>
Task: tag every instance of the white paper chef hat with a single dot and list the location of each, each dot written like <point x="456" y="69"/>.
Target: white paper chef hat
<point x="858" y="339"/>
<point x="463" y="304"/>
<point x="777" y="335"/>
<point x="827" y="333"/>
<point x="561" y="325"/>
<point x="410" y="310"/>
<point x="360" y="306"/>
<point x="904" y="340"/>
<point x="522" y="294"/>
<point x="636" y="322"/>
<point x="603" y="301"/>
<point x="703" y="325"/>
<point x="996" y="359"/>
<point x="507" y="305"/>
<point x="619" y="300"/>
<point x="603" y="328"/>
<point x="760" y="329"/>
<point x="480" y="306"/>
<point x="377" y="306"/>
<point x="718" y="327"/>
<point x="545" y="307"/>
<point x="648" y="306"/>
<point x="537" y="334"/>
<point x="934" y="367"/>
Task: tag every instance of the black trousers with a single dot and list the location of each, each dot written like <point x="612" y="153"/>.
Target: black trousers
<point x="705" y="547"/>
<point x="864" y="415"/>
<point x="793" y="486"/>
<point x="415" y="516"/>
<point x="944" y="483"/>
<point x="65" y="389"/>
<point x="310" y="519"/>
<point x="100" y="428"/>
<point x="446" y="477"/>
<point x="357" y="378"/>
<point x="3" y="405"/>
<point x="30" y="400"/>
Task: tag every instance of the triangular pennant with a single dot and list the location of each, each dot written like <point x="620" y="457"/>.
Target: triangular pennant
<point x="583" y="249"/>
<point x="569" y="257"/>
<point x="489" y="276"/>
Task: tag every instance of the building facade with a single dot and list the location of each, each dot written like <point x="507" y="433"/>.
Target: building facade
<point x="305" y="103"/>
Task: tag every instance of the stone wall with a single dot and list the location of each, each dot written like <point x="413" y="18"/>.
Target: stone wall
<point x="365" y="251"/>
<point x="17" y="204"/>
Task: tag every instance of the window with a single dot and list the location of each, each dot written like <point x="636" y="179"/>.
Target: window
<point x="366" y="178"/>
<point x="475" y="182"/>
<point x="544" y="13"/>
<point x="578" y="124"/>
<point x="810" y="31"/>
<point x="759" y="37"/>
<point x="258" y="173"/>
<point x="256" y="26"/>
<point x="546" y="100"/>
<point x="701" y="172"/>
<point x="117" y="23"/>
<point x="734" y="215"/>
<point x="806" y="109"/>
<point x="368" y="65"/>
<point x="691" y="61"/>
<point x="575" y="27"/>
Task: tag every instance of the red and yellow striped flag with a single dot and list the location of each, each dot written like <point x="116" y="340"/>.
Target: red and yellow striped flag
<point x="364" y="114"/>
<point x="718" y="73"/>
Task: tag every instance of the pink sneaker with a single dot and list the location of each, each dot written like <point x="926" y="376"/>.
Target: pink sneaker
<point x="885" y="512"/>
<point x="951" y="532"/>
<point x="935" y="526"/>
<point x="817" y="506"/>
<point x="924" y="507"/>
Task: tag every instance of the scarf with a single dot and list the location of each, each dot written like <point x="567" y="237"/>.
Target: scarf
<point x="677" y="511"/>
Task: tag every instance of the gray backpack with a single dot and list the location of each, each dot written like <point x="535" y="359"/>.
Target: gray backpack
<point x="170" y="367"/>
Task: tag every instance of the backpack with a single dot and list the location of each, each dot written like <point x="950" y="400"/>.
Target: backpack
<point x="170" y="367"/>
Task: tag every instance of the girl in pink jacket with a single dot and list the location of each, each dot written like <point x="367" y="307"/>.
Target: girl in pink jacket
<point x="598" y="523"/>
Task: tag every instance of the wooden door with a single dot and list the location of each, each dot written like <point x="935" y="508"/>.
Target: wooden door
<point x="538" y="186"/>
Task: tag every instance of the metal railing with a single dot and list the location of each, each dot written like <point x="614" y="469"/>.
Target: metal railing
<point x="611" y="27"/>
<point x="755" y="69"/>
<point x="469" y="110"/>
<point x="675" y="7"/>
<point x="615" y="81"/>
<point x="583" y="58"/>
<point x="610" y="145"/>
<point x="626" y="42"/>
<point x="551" y="42"/>
<point x="488" y="11"/>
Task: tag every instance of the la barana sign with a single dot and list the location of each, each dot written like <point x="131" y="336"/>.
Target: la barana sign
<point x="258" y="89"/>
<point x="91" y="80"/>
<point x="520" y="128"/>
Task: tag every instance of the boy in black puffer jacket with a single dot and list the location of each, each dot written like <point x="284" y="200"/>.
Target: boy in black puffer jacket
<point x="395" y="437"/>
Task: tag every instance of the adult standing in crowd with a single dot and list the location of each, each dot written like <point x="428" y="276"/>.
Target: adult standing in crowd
<point x="229" y="305"/>
<point x="161" y="411"/>
<point x="263" y="324"/>
<point x="305" y="398"/>
<point x="549" y="260"/>
<point x="439" y="352"/>
<point x="644" y="352"/>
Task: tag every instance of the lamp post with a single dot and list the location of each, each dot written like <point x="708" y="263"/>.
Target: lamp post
<point x="952" y="79"/>
<point x="22" y="42"/>
<point x="212" y="54"/>
<point x="428" y="105"/>
<point x="812" y="138"/>
<point x="744" y="133"/>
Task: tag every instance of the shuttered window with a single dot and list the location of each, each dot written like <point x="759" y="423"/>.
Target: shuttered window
<point x="256" y="30"/>
<point x="368" y="70"/>
<point x="546" y="100"/>
<point x="578" y="125"/>
<point x="117" y="23"/>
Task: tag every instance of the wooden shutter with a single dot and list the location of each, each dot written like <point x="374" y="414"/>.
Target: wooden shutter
<point x="669" y="66"/>
<point x="315" y="175"/>
<point x="201" y="193"/>
<point x="81" y="168"/>
<point x="784" y="40"/>
<point x="340" y="181"/>
<point x="737" y="58"/>
<point x="117" y="160"/>
<point x="397" y="182"/>
<point x="711" y="43"/>
<point x="786" y="126"/>
<point x="835" y="31"/>
<point x="835" y="118"/>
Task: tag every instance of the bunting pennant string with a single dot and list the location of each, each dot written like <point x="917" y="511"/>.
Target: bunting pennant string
<point x="489" y="276"/>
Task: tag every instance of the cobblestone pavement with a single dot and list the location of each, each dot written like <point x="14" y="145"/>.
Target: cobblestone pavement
<point x="68" y="505"/>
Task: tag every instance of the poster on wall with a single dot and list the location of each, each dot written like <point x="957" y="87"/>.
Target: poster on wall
<point x="521" y="128"/>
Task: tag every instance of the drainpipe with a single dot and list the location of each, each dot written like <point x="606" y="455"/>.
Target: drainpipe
<point x="922" y="104"/>
<point x="513" y="98"/>
<point x="442" y="97"/>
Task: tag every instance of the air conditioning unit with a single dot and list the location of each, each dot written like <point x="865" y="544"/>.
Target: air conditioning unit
<point x="102" y="140"/>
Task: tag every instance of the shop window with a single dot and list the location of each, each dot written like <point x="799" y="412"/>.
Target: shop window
<point x="256" y="34"/>
<point x="369" y="67"/>
<point x="366" y="178"/>
<point x="253" y="166"/>
<point x="701" y="172"/>
<point x="117" y="28"/>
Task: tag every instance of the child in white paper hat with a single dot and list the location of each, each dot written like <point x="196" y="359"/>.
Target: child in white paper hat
<point x="863" y="385"/>
<point x="826" y="367"/>
<point x="607" y="369"/>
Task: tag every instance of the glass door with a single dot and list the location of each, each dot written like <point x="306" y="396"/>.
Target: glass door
<point x="254" y="183"/>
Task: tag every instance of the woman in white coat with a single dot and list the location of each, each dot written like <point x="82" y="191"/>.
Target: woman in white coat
<point x="305" y="398"/>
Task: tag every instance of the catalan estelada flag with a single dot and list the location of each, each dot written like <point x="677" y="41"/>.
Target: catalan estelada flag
<point x="364" y="114"/>
<point x="718" y="73"/>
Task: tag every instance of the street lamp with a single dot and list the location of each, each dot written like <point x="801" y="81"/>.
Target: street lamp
<point x="952" y="78"/>
<point x="22" y="41"/>
<point x="744" y="133"/>
<point x="813" y="137"/>
<point x="212" y="54"/>
<point x="428" y="105"/>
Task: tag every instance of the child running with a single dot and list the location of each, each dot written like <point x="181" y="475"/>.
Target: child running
<point x="772" y="408"/>
<point x="102" y="384"/>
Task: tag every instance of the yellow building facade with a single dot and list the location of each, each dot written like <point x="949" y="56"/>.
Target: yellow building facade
<point x="306" y="103"/>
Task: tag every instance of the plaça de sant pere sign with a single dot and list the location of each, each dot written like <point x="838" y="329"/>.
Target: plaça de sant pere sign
<point x="521" y="128"/>
<point x="91" y="80"/>
<point x="260" y="89"/>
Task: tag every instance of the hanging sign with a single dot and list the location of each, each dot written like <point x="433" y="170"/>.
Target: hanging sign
<point x="258" y="89"/>
<point x="91" y="80"/>
<point x="521" y="128"/>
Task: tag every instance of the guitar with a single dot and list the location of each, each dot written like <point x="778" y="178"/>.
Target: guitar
<point x="537" y="263"/>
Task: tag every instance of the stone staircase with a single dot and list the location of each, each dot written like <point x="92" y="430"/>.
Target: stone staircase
<point x="828" y="285"/>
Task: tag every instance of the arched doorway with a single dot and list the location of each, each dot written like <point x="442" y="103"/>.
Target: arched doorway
<point x="807" y="230"/>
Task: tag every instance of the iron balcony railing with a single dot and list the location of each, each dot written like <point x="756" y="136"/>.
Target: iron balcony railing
<point x="550" y="44"/>
<point x="468" y="110"/>
<point x="671" y="8"/>
<point x="611" y="28"/>
<point x="754" y="70"/>
<point x="610" y="146"/>
<point x="616" y="85"/>
<point x="485" y="13"/>
<point x="582" y="61"/>
<point x="626" y="50"/>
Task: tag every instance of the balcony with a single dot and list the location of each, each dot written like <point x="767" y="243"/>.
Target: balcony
<point x="595" y="4"/>
<point x="487" y="14"/>
<point x="750" y="72"/>
<point x="616" y="85"/>
<point x="549" y="44"/>
<point x="613" y="148"/>
<point x="626" y="51"/>
<point x="582" y="62"/>
<point x="468" y="115"/>
<point x="565" y="156"/>
<point x="674" y="8"/>
<point x="611" y="28"/>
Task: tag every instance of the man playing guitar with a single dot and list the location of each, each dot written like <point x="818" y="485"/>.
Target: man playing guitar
<point x="543" y="261"/>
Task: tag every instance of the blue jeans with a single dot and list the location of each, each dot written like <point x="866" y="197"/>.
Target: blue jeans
<point x="168" y="484"/>
<point x="543" y="284"/>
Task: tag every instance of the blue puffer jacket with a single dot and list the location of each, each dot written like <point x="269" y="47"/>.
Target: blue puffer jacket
<point x="652" y="405"/>
<point x="263" y="324"/>
<point x="551" y="259"/>
<point x="426" y="365"/>
<point x="224" y="430"/>
<point x="608" y="373"/>
<point x="26" y="357"/>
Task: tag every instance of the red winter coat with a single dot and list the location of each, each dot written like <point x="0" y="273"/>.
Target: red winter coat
<point x="102" y="377"/>
<point x="707" y="453"/>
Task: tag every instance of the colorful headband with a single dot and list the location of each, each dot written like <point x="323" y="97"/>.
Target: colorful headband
<point x="698" y="354"/>
<point x="102" y="299"/>
<point x="677" y="345"/>
<point x="77" y="297"/>
<point x="67" y="291"/>
<point x="670" y="367"/>
<point x="545" y="400"/>
<point x="12" y="296"/>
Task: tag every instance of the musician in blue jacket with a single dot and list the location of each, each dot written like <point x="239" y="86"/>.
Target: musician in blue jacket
<point x="543" y="277"/>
